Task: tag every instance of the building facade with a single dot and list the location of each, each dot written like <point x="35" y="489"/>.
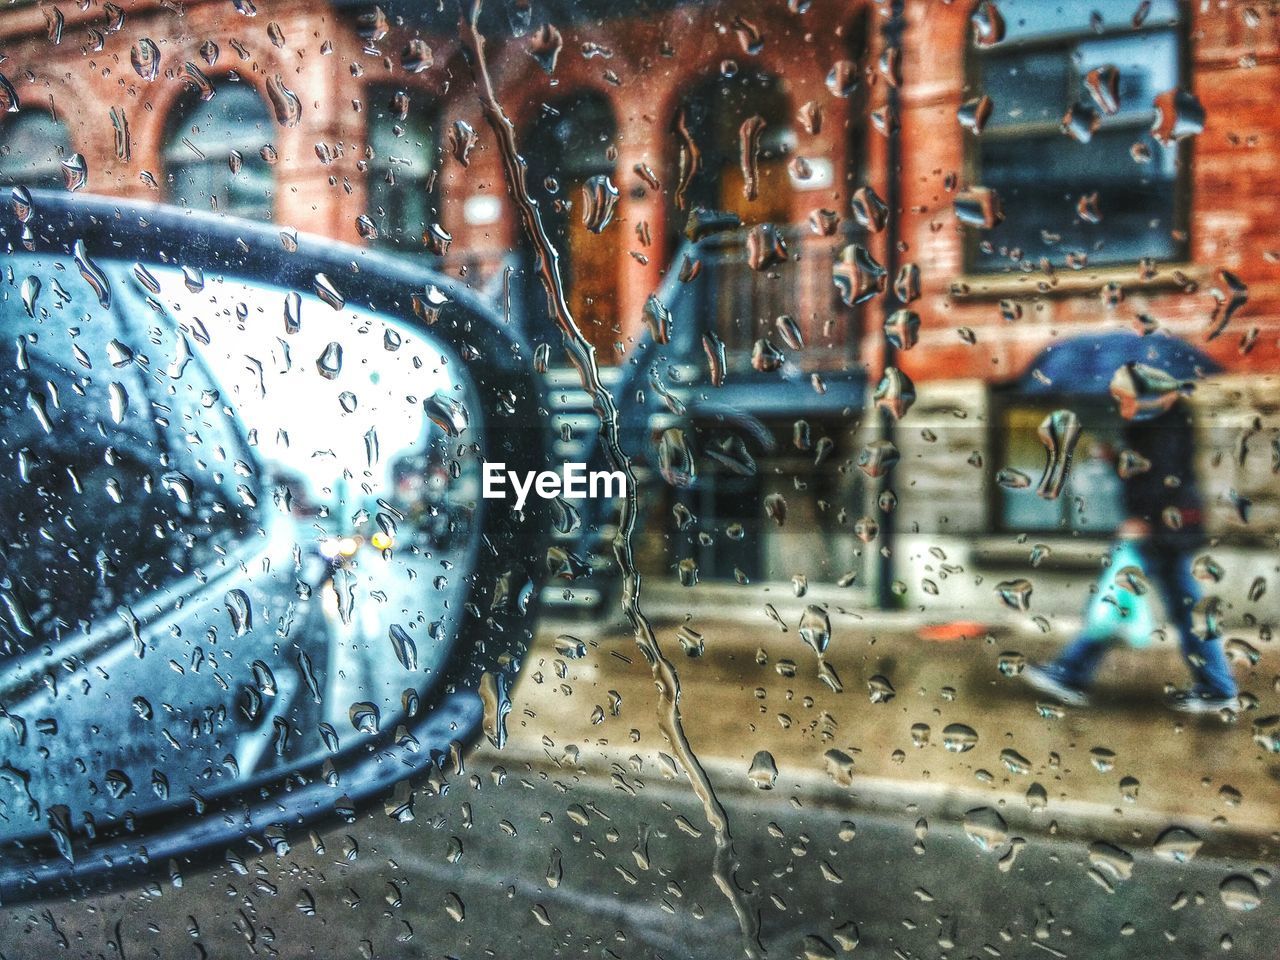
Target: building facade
<point x="1051" y="170"/>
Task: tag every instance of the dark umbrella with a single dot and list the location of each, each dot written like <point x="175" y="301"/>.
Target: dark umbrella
<point x="1084" y="365"/>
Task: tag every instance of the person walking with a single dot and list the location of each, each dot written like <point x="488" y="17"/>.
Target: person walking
<point x="1165" y="520"/>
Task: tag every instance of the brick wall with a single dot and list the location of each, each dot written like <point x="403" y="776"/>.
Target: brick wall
<point x="1234" y="69"/>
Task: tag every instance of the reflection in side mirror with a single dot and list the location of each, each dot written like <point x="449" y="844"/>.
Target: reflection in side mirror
<point x="236" y="547"/>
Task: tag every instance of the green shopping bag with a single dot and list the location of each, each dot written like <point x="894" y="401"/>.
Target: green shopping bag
<point x="1120" y="608"/>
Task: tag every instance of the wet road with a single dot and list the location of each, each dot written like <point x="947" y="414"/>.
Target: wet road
<point x="475" y="875"/>
<point x="579" y="839"/>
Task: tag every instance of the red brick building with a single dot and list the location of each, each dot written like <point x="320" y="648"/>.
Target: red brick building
<point x="322" y="115"/>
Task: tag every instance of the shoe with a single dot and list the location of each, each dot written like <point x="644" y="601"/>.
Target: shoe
<point x="1046" y="682"/>
<point x="1189" y="701"/>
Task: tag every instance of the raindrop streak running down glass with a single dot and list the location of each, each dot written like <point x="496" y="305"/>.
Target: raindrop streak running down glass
<point x="582" y="353"/>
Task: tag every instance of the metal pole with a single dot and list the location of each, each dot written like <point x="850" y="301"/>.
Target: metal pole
<point x="891" y="33"/>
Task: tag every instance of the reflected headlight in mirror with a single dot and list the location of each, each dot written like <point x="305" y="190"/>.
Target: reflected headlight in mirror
<point x="334" y="548"/>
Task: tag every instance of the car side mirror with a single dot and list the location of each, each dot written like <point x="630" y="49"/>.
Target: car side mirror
<point x="249" y="579"/>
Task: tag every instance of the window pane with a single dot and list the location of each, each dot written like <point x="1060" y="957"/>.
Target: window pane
<point x="213" y="153"/>
<point x="403" y="154"/>
<point x="1041" y="180"/>
<point x="1027" y="88"/>
<point x="32" y="148"/>
<point x="1045" y="19"/>
<point x="1041" y="174"/>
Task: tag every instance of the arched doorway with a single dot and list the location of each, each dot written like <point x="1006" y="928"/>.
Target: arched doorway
<point x="711" y="117"/>
<point x="213" y="153"/>
<point x="571" y="141"/>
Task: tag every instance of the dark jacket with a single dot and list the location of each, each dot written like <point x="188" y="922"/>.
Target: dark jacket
<point x="1168" y="443"/>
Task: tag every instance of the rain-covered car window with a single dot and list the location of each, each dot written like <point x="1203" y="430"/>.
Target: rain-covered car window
<point x="639" y="478"/>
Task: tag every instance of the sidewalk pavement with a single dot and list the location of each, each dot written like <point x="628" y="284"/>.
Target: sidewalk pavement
<point x="943" y="724"/>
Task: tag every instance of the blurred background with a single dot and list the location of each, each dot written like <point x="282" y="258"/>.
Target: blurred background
<point x="940" y="214"/>
<point x="1135" y="218"/>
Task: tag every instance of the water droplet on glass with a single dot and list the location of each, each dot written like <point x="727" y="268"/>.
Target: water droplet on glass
<point x="687" y="572"/>
<point x="869" y="210"/>
<point x="292" y="312"/>
<point x="763" y="772"/>
<point x="1228" y="301"/>
<point x="497" y="704"/>
<point x="978" y="207"/>
<point x="789" y="331"/>
<point x="974" y="114"/>
<point x="92" y="273"/>
<point x="895" y="393"/>
<point x="775" y="507"/>
<point x="1081" y="122"/>
<point x="858" y="276"/>
<point x="329" y="363"/>
<point x="1109" y="864"/>
<point x="749" y="134"/>
<point x="544" y="46"/>
<point x="1177" y="844"/>
<point x="675" y="459"/>
<point x="988" y="24"/>
<point x="1012" y="479"/>
<point x="1059" y="432"/>
<point x="765" y="247"/>
<point x="902" y="329"/>
<point x="599" y="198"/>
<point x="1239" y="892"/>
<point x="366" y="227"/>
<point x="327" y="292"/>
<point x="842" y="78"/>
<point x="9" y="102"/>
<point x="240" y="612"/>
<point x="118" y="399"/>
<point x="447" y="413"/>
<point x="716" y="353"/>
<point x="959" y="738"/>
<point x="815" y="628"/>
<point x="765" y="357"/>
<point x="1179" y="114"/>
<point x="365" y="717"/>
<point x="288" y="108"/>
<point x="118" y="784"/>
<point x="1015" y="594"/>
<point x="877" y="458"/>
<point x="462" y="138"/>
<point x="145" y="57"/>
<point x="1103" y="84"/>
<point x="880" y="690"/>
<point x="405" y="649"/>
<point x="1015" y="762"/>
<point x="658" y="319"/>
<point x="985" y="827"/>
<point x="839" y="767"/>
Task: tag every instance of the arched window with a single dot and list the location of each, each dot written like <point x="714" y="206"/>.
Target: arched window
<point x="571" y="141"/>
<point x="213" y="153"/>
<point x="711" y="115"/>
<point x="32" y="147"/>
<point x="1068" y="148"/>
<point x="402" y="144"/>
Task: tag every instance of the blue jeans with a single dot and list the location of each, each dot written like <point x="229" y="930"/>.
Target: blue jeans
<point x="1168" y="568"/>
